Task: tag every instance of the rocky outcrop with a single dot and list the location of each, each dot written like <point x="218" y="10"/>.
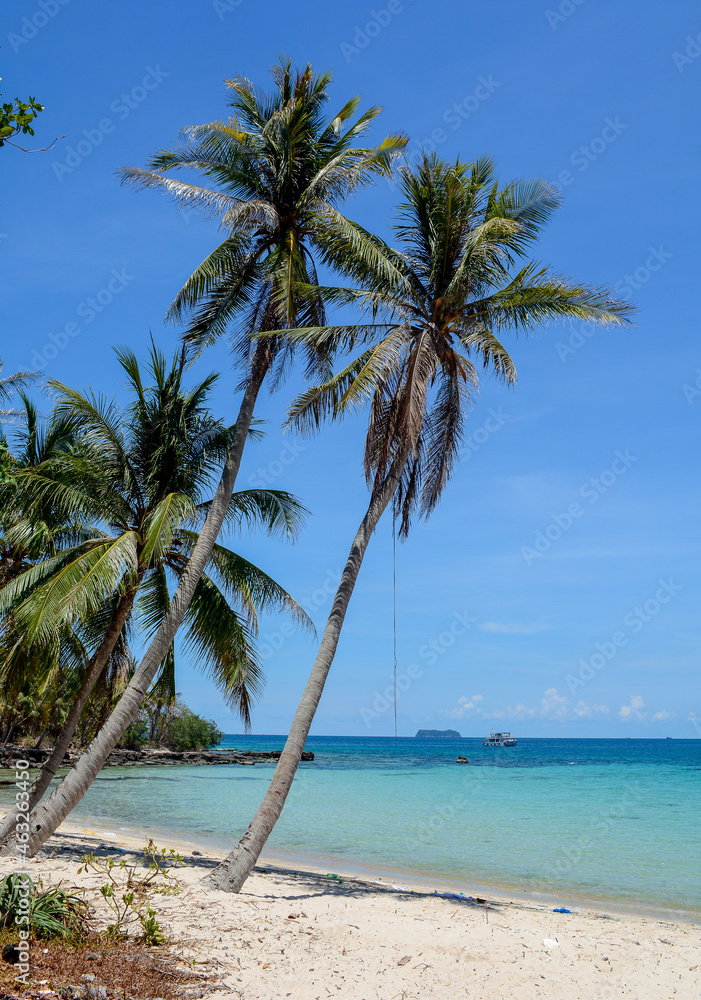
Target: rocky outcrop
<point x="127" y="758"/>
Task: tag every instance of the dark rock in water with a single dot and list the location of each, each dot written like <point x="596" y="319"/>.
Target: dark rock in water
<point x="448" y="733"/>
<point x="10" y="953"/>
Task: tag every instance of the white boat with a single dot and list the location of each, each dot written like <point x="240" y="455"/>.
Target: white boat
<point x="500" y="740"/>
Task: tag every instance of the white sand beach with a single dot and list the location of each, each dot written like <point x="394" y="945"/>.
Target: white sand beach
<point x="299" y="934"/>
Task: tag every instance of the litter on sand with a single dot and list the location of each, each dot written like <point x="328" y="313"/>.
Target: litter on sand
<point x="561" y="909"/>
<point x="388" y="885"/>
<point x="549" y="943"/>
<point x="454" y="895"/>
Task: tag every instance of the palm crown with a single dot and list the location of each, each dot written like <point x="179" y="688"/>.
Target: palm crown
<point x="282" y="167"/>
<point x="139" y="479"/>
<point x="434" y="309"/>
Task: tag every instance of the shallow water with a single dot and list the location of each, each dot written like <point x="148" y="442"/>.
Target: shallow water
<point x="610" y="819"/>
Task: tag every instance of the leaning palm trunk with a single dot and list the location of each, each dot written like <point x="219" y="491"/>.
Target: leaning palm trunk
<point x="441" y="298"/>
<point x="97" y="665"/>
<point x="51" y="813"/>
<point x="231" y="874"/>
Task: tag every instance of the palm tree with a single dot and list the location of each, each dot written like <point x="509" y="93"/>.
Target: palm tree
<point x="29" y="533"/>
<point x="23" y="541"/>
<point x="434" y="309"/>
<point x="141" y="477"/>
<point x="283" y="168"/>
<point x="8" y="385"/>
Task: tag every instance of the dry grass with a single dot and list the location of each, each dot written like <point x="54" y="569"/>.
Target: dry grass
<point x="124" y="970"/>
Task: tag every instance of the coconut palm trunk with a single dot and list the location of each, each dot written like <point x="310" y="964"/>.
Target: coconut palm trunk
<point x="97" y="665"/>
<point x="50" y="814"/>
<point x="231" y="874"/>
<point x="440" y="299"/>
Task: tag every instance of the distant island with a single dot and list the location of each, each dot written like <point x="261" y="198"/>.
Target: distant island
<point x="450" y="733"/>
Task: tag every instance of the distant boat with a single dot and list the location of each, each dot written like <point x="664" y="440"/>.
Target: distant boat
<point x="500" y="740"/>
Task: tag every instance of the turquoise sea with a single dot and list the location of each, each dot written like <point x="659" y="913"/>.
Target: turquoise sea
<point x="612" y="820"/>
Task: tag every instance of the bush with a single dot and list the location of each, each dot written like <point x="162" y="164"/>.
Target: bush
<point x="135" y="736"/>
<point x="127" y="887"/>
<point x="174" y="726"/>
<point x="188" y="731"/>
<point x="50" y="912"/>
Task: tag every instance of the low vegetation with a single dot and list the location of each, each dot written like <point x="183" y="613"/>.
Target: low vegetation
<point x="175" y="727"/>
<point x="76" y="952"/>
<point x="53" y="912"/>
<point x="126" y="890"/>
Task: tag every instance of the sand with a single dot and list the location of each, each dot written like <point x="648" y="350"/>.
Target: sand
<point x="298" y="934"/>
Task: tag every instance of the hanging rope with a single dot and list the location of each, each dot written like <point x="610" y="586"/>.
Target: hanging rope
<point x="394" y="611"/>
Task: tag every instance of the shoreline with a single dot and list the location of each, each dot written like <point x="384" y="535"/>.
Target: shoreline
<point x="212" y="850"/>
<point x="293" y="932"/>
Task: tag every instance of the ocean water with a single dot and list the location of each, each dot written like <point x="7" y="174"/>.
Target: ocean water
<point x="604" y="819"/>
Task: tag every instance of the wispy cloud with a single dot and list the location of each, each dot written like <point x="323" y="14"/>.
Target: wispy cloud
<point x="553" y="706"/>
<point x="584" y="711"/>
<point x="464" y="706"/>
<point x="634" y="710"/>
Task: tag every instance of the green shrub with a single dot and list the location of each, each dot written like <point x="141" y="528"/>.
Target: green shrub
<point x="188" y="731"/>
<point x="135" y="735"/>
<point x="53" y="912"/>
<point x="126" y="890"/>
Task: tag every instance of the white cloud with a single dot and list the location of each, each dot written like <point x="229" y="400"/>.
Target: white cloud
<point x="464" y="706"/>
<point x="513" y="629"/>
<point x="523" y="712"/>
<point x="553" y="705"/>
<point x="663" y="716"/>
<point x="584" y="711"/>
<point x="634" y="710"/>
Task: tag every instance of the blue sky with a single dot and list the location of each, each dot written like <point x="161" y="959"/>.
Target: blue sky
<point x="556" y="591"/>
